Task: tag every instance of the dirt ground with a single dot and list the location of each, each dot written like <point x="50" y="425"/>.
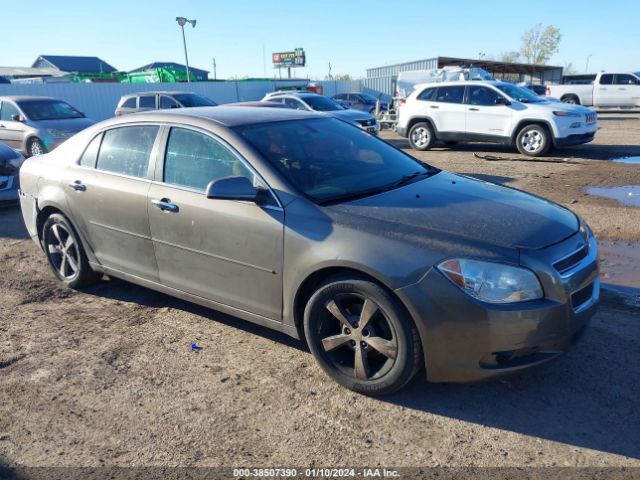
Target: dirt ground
<point x="106" y="376"/>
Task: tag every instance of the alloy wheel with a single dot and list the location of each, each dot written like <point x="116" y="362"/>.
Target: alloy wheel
<point x="358" y="338"/>
<point x="63" y="251"/>
<point x="532" y="141"/>
<point x="420" y="137"/>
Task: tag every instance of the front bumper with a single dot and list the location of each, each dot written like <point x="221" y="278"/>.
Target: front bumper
<point x="466" y="340"/>
<point x="402" y="131"/>
<point x="575" y="139"/>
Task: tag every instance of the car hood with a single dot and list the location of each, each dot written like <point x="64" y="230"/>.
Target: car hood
<point x="462" y="207"/>
<point x="350" y="115"/>
<point x="73" y="125"/>
<point x="556" y="106"/>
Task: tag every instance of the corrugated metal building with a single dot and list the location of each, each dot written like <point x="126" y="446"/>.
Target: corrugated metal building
<point x="382" y="79"/>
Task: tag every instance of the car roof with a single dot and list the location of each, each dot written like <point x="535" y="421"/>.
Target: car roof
<point x="226" y="116"/>
<point x="159" y="92"/>
<point x="17" y="98"/>
<point x="459" y="83"/>
<point x="295" y="93"/>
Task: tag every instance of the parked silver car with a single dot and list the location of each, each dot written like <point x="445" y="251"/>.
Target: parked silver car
<point x="36" y="125"/>
<point x="145" y="101"/>
<point x="307" y="225"/>
<point x="312" y="102"/>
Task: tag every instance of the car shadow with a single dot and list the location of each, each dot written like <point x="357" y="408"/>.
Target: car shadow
<point x="11" y="223"/>
<point x="123" y="291"/>
<point x="588" y="398"/>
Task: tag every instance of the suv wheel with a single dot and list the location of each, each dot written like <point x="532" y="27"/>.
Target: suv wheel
<point x="421" y="136"/>
<point x="533" y="140"/>
<point x="571" y="99"/>
<point x="361" y="337"/>
<point x="65" y="252"/>
<point x="35" y="147"/>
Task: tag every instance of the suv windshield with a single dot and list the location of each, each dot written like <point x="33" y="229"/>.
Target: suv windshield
<point x="519" y="94"/>
<point x="322" y="104"/>
<point x="48" y="110"/>
<point x="331" y="161"/>
<point x="193" y="100"/>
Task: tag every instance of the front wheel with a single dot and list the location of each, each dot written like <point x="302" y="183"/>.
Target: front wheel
<point x="421" y="136"/>
<point x="533" y="140"/>
<point x="361" y="336"/>
<point x="65" y="252"/>
<point x="35" y="147"/>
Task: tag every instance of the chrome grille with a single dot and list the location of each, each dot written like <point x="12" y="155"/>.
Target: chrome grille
<point x="592" y="118"/>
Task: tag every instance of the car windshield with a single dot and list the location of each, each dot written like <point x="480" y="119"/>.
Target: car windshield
<point x="331" y="161"/>
<point x="48" y="110"/>
<point x="322" y="104"/>
<point x="519" y="94"/>
<point x="637" y="74"/>
<point x="368" y="98"/>
<point x="193" y="100"/>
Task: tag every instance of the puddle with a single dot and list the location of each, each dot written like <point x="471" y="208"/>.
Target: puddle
<point x="629" y="160"/>
<point x="628" y="194"/>
<point x="620" y="269"/>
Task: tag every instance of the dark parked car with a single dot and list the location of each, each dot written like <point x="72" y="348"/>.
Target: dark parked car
<point x="10" y="162"/>
<point x="305" y="224"/>
<point x="360" y="101"/>
<point x="144" y="101"/>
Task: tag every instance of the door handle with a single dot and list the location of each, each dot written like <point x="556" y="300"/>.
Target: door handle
<point x="165" y="205"/>
<point x="78" y="186"/>
<point x="434" y="106"/>
<point x="474" y="109"/>
<point x="622" y="89"/>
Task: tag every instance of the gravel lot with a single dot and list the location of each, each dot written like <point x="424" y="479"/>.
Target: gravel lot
<point x="106" y="376"/>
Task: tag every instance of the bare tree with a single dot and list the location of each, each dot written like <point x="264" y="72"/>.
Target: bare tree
<point x="569" y="69"/>
<point x="509" y="57"/>
<point x="540" y="44"/>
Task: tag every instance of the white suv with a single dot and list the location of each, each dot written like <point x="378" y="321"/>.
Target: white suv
<point x="494" y="112"/>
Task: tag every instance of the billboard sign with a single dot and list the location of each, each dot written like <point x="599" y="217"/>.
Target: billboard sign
<point x="296" y="58"/>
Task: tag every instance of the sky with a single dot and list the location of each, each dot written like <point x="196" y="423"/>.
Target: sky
<point x="352" y="35"/>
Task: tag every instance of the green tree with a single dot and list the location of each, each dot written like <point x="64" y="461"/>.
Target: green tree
<point x="540" y="43"/>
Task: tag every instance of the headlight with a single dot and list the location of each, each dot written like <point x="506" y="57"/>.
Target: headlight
<point x="492" y="282"/>
<point x="561" y="113"/>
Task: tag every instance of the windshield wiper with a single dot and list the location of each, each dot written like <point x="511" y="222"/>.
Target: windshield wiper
<point x="384" y="188"/>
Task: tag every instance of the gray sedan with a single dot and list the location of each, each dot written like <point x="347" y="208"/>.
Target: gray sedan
<point x="36" y="125"/>
<point x="312" y="227"/>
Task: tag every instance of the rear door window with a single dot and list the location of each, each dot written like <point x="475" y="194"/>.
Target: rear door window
<point x="147" y="101"/>
<point x="168" y="102"/>
<point x="606" y="79"/>
<point x="450" y="94"/>
<point x="129" y="103"/>
<point x="626" y="79"/>
<point x="126" y="150"/>
<point x="427" y="94"/>
<point x="90" y="154"/>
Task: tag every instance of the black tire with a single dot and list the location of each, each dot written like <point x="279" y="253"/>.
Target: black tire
<point x="533" y="140"/>
<point x="421" y="136"/>
<point x="35" y="147"/>
<point x="571" y="99"/>
<point x="65" y="253"/>
<point x="369" y="344"/>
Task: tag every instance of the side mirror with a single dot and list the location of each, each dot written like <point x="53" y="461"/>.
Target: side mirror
<point x="17" y="118"/>
<point x="232" y="188"/>
<point x="502" y="101"/>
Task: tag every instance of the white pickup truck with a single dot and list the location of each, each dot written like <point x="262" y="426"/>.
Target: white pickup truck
<point x="608" y="90"/>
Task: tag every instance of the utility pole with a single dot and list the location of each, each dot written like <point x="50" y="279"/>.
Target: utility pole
<point x="214" y="68"/>
<point x="586" y="68"/>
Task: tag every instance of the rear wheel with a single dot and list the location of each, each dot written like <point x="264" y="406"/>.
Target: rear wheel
<point x="421" y="136"/>
<point x="533" y="140"/>
<point x="361" y="336"/>
<point x="571" y="99"/>
<point x="35" y="147"/>
<point x="65" y="253"/>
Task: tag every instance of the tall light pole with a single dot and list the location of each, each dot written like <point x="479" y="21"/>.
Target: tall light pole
<point x="181" y="21"/>
<point x="586" y="69"/>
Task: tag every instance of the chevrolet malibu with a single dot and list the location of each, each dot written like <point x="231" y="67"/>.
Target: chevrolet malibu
<point x="313" y="227"/>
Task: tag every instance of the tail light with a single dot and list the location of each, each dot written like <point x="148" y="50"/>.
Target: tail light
<point x="402" y="101"/>
<point x="548" y="91"/>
